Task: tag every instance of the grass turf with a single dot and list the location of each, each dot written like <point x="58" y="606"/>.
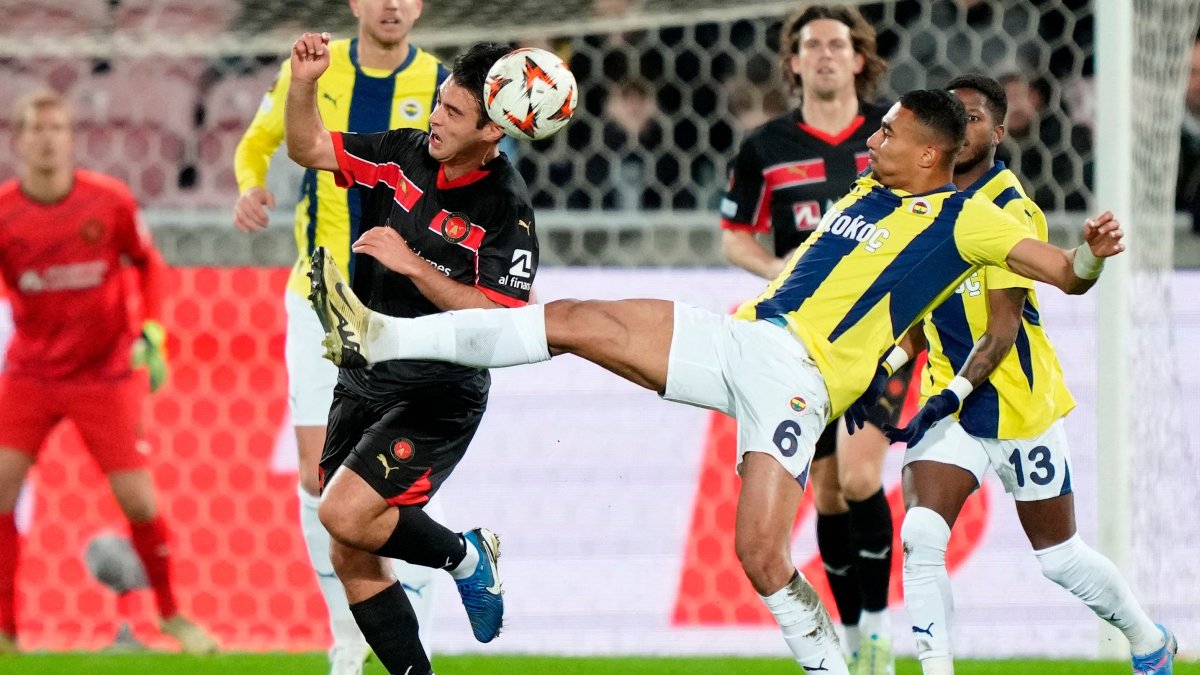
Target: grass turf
<point x="315" y="664"/>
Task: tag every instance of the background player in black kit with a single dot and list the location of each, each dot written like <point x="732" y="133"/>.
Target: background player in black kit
<point x="787" y="173"/>
<point x="455" y="231"/>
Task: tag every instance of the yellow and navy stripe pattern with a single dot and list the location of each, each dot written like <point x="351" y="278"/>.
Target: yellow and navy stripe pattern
<point x="879" y="261"/>
<point x="350" y="98"/>
<point x="1026" y="393"/>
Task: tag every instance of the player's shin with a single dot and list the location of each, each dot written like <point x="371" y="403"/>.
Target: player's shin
<point x="10" y="542"/>
<point x="927" y="592"/>
<point x="1093" y="579"/>
<point x="807" y="628"/>
<point x="390" y="626"/>
<point x="484" y="338"/>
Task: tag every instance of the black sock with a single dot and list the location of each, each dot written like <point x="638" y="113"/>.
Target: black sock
<point x="389" y="624"/>
<point x="838" y="556"/>
<point x="871" y="524"/>
<point x="421" y="540"/>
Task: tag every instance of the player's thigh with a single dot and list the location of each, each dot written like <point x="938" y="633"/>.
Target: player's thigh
<point x="109" y="418"/>
<point x="311" y="377"/>
<point x="860" y="461"/>
<point x="696" y="366"/>
<point x="349" y="418"/>
<point x="943" y="469"/>
<point x="1048" y="522"/>
<point x="416" y="442"/>
<point x="14" y="466"/>
<point x="29" y="410"/>
<point x="632" y="338"/>
<point x="779" y="397"/>
<point x="1034" y="469"/>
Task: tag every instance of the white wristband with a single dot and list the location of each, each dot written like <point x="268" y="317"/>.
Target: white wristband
<point x="895" y="359"/>
<point x="961" y="387"/>
<point x="1087" y="265"/>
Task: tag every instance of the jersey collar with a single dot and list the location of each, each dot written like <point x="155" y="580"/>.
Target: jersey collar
<point x="412" y="54"/>
<point x="462" y="181"/>
<point x="983" y="180"/>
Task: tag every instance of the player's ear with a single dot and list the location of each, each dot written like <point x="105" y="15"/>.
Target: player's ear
<point x="354" y="8"/>
<point x="492" y="132"/>
<point x="998" y="134"/>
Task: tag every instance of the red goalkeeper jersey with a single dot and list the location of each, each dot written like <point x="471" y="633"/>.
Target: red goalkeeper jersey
<point x="62" y="263"/>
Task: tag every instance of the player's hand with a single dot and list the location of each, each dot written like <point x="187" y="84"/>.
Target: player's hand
<point x="310" y="56"/>
<point x="858" y="413"/>
<point x="150" y="352"/>
<point x="1103" y="235"/>
<point x="250" y="212"/>
<point x="943" y="404"/>
<point x="389" y="248"/>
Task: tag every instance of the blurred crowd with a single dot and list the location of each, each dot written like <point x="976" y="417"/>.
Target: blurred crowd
<point x="662" y="110"/>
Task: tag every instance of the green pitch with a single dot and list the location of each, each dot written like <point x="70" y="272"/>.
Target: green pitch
<point x="315" y="664"/>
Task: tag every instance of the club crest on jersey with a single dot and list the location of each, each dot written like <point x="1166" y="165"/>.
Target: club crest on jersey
<point x="402" y="449"/>
<point x="798" y="404"/>
<point x="411" y="108"/>
<point x="919" y="206"/>
<point x="456" y="227"/>
<point x="91" y="230"/>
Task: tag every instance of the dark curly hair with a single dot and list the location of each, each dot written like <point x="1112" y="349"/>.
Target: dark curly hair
<point x="862" y="35"/>
<point x="991" y="90"/>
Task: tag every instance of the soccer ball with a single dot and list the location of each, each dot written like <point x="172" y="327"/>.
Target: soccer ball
<point x="530" y="93"/>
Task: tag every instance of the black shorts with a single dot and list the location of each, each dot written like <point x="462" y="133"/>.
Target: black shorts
<point x="405" y="447"/>
<point x="885" y="411"/>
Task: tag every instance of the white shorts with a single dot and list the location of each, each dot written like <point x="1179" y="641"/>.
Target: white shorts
<point x="310" y="376"/>
<point x="1032" y="469"/>
<point x="756" y="372"/>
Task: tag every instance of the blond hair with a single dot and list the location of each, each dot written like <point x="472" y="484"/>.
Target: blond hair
<point x="27" y="106"/>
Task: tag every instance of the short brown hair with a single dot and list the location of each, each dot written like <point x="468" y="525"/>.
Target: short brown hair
<point x="27" y="105"/>
<point x="862" y="35"/>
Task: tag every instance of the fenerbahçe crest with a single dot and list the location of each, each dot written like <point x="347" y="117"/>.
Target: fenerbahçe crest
<point x="456" y="227"/>
<point x="798" y="404"/>
<point x="402" y="449"/>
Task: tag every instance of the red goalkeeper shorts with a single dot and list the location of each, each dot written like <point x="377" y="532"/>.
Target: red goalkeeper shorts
<point x="106" y="413"/>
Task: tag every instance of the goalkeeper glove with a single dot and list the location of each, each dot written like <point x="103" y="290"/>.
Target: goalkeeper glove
<point x="150" y="352"/>
<point x="859" y="412"/>
<point x="943" y="404"/>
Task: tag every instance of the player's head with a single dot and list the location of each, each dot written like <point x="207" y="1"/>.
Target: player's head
<point x="920" y="136"/>
<point x="44" y="138"/>
<point x="385" y="22"/>
<point x="986" y="105"/>
<point x="459" y="125"/>
<point x="827" y="50"/>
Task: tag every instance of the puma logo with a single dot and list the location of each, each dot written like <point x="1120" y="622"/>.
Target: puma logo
<point x="330" y="97"/>
<point x="928" y="630"/>
<point x="814" y="669"/>
<point x="387" y="468"/>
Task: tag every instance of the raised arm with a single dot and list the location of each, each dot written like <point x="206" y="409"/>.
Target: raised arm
<point x="308" y="141"/>
<point x="1073" y="271"/>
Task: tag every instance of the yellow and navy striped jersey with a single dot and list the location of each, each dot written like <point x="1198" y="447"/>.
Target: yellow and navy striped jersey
<point x="880" y="261"/>
<point x="350" y="98"/>
<point x="1026" y="393"/>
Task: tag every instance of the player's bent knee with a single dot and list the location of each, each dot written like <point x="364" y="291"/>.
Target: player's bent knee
<point x="767" y="567"/>
<point x="925" y="535"/>
<point x="341" y="523"/>
<point x="1059" y="562"/>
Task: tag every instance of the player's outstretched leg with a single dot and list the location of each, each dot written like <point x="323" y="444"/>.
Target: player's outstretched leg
<point x="478" y="581"/>
<point x="1094" y="579"/>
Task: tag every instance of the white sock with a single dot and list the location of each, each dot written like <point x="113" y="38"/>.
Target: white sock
<point x="807" y="628"/>
<point x="875" y="623"/>
<point x="316" y="539"/>
<point x="484" y="338"/>
<point x="466" y="568"/>
<point x="1093" y="579"/>
<point x="927" y="593"/>
<point x="853" y="642"/>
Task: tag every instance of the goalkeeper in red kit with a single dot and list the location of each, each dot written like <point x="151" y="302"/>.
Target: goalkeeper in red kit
<point x="66" y="235"/>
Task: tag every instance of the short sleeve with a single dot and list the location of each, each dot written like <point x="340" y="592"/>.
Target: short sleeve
<point x="985" y="235"/>
<point x="744" y="201"/>
<point x="508" y="258"/>
<point x="1026" y="211"/>
<point x="370" y="159"/>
